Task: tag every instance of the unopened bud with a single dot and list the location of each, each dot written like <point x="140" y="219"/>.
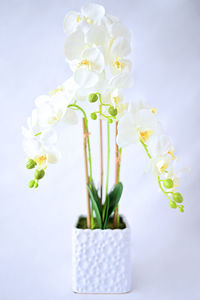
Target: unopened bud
<point x="172" y="204"/>
<point x="177" y="197"/>
<point x="30" y="164"/>
<point x="168" y="183"/>
<point x="92" y="97"/>
<point x="112" y="111"/>
<point x="93" y="116"/>
<point x="31" y="183"/>
<point x="39" y="174"/>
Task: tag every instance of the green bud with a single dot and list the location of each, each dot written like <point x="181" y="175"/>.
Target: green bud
<point x="31" y="183"/>
<point x="168" y="183"/>
<point x="39" y="174"/>
<point x="112" y="111"/>
<point x="177" y="197"/>
<point x="93" y="116"/>
<point x="181" y="209"/>
<point x="36" y="185"/>
<point x="92" y="97"/>
<point x="172" y="204"/>
<point x="110" y="121"/>
<point x="30" y="164"/>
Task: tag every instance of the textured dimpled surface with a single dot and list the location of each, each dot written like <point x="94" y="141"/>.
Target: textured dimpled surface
<point x="101" y="261"/>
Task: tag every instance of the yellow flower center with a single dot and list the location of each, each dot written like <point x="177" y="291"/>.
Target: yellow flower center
<point x="171" y="153"/>
<point x="116" y="100"/>
<point x="154" y="110"/>
<point x="40" y="160"/>
<point x="119" y="65"/>
<point x="162" y="165"/>
<point x="85" y="63"/>
<point x="78" y="18"/>
<point x="145" y="135"/>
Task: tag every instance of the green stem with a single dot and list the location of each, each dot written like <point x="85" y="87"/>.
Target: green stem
<point x="146" y="149"/>
<point x="108" y="156"/>
<point x="159" y="180"/>
<point x="159" y="183"/>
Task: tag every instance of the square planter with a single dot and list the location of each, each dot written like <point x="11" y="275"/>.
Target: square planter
<point x="101" y="260"/>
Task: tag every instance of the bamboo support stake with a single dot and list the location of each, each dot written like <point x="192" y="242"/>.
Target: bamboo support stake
<point x="101" y="160"/>
<point x="85" y="137"/>
<point x="117" y="164"/>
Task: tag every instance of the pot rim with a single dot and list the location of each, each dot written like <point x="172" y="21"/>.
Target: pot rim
<point x="127" y="228"/>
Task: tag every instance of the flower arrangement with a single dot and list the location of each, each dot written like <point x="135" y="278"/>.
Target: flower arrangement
<point x="96" y="49"/>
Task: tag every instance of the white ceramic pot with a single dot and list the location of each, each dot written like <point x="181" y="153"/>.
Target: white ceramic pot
<point x="101" y="260"/>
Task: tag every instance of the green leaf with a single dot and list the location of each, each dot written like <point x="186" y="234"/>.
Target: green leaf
<point x="95" y="203"/>
<point x="114" y="197"/>
<point x="107" y="205"/>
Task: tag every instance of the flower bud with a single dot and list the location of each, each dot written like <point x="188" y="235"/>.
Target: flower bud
<point x="177" y="197"/>
<point x="39" y="174"/>
<point x="31" y="183"/>
<point x="30" y="164"/>
<point x="172" y="204"/>
<point x="36" y="185"/>
<point x="168" y="183"/>
<point x="112" y="111"/>
<point x="93" y="116"/>
<point x="110" y="121"/>
<point x="92" y="97"/>
<point x="181" y="209"/>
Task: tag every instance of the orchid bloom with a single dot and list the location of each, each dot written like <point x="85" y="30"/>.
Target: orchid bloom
<point x="41" y="147"/>
<point x="138" y="125"/>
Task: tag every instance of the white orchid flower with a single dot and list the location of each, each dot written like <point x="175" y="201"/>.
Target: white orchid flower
<point x="90" y="14"/>
<point x="89" y="67"/>
<point x="161" y="145"/>
<point x="118" y="48"/>
<point x="41" y="147"/>
<point x="137" y="126"/>
<point x="52" y="109"/>
<point x="114" y="97"/>
<point x="160" y="164"/>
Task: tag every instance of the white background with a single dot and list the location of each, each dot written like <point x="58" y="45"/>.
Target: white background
<point x="35" y="225"/>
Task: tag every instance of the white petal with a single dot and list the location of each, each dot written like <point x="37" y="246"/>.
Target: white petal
<point x="74" y="45"/>
<point x="119" y="30"/>
<point x="53" y="155"/>
<point x="121" y="47"/>
<point x="32" y="147"/>
<point x="96" y="35"/>
<point x="123" y="80"/>
<point x="126" y="131"/>
<point x="145" y="120"/>
<point x="160" y="145"/>
<point x="85" y="78"/>
<point x="70" y="117"/>
<point x="94" y="12"/>
<point x="109" y="20"/>
<point x="95" y="57"/>
<point x="48" y="137"/>
<point x="70" y="22"/>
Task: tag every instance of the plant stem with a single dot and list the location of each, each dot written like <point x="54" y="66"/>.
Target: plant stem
<point x="108" y="156"/>
<point x="86" y="172"/>
<point x="101" y="158"/>
<point x="117" y="166"/>
<point x="87" y="132"/>
<point x="145" y="148"/>
<point x="159" y="183"/>
<point x="88" y="159"/>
